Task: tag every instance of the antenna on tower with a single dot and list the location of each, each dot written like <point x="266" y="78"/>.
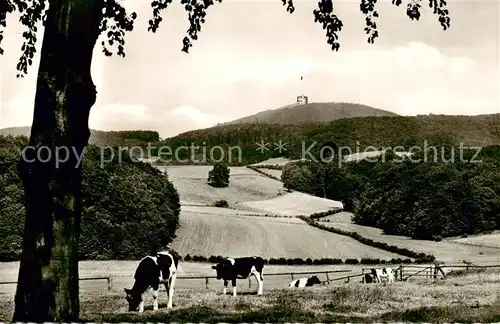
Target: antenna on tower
<point x="302" y="99"/>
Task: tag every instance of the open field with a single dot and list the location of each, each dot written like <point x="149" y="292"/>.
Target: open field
<point x="293" y="204"/>
<point x="244" y="185"/>
<point x="447" y="251"/>
<point x="222" y="231"/>
<point x="484" y="240"/>
<point x="469" y="298"/>
<point x="216" y="231"/>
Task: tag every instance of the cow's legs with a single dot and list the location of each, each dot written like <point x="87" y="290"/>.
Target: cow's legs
<point x="260" y="281"/>
<point x="225" y="287"/>
<point x="155" y="299"/>
<point x="141" y="304"/>
<point x="233" y="282"/>
<point x="171" y="290"/>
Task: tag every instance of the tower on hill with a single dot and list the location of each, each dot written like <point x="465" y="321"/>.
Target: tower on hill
<point x="302" y="99"/>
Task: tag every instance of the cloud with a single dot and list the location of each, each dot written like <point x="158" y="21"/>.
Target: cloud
<point x="196" y="116"/>
<point x="17" y="112"/>
<point x="250" y="57"/>
<point x="166" y="122"/>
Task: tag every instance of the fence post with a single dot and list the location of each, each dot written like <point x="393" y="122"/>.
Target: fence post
<point x="206" y="282"/>
<point x="291" y="275"/>
<point x="250" y="282"/>
<point x="110" y="283"/>
<point x="401" y="272"/>
<point x="435" y="271"/>
<point x="327" y="278"/>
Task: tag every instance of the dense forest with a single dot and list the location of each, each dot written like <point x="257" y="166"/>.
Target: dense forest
<point x="130" y="208"/>
<point x="456" y="193"/>
<point x="355" y="133"/>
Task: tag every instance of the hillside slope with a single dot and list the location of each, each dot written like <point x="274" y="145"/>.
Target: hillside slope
<point x="312" y="113"/>
<point x="219" y="231"/>
<point x="358" y="133"/>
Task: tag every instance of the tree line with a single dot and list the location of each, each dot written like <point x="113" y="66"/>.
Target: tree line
<point x="423" y="200"/>
<point x="129" y="208"/>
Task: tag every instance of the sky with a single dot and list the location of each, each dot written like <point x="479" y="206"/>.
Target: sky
<point x="250" y="56"/>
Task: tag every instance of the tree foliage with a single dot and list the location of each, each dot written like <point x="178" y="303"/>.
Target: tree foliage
<point x="130" y="208"/>
<point x="219" y="176"/>
<point x="116" y="21"/>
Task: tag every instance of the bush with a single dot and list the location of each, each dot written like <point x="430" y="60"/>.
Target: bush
<point x="219" y="176"/>
<point x="221" y="203"/>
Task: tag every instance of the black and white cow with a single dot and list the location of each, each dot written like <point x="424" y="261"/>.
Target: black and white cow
<point x="150" y="273"/>
<point x="305" y="282"/>
<point x="240" y="268"/>
<point x="368" y="278"/>
<point x="377" y="274"/>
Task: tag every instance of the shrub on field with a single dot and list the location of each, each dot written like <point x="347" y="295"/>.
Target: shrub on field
<point x="219" y="176"/>
<point x="221" y="203"/>
<point x="130" y="208"/>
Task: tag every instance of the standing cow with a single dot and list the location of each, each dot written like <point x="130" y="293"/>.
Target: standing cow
<point x="240" y="268"/>
<point x="305" y="282"/>
<point x="150" y="273"/>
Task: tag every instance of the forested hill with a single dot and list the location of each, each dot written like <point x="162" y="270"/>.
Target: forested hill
<point x="101" y="138"/>
<point x="383" y="131"/>
<point x="315" y="112"/>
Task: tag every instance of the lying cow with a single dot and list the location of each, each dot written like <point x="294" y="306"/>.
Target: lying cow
<point x="150" y="273"/>
<point x="305" y="282"/>
<point x="376" y="274"/>
<point x="240" y="268"/>
<point x="368" y="278"/>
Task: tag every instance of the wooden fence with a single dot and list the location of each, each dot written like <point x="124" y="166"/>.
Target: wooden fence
<point x="403" y="273"/>
<point x="292" y="275"/>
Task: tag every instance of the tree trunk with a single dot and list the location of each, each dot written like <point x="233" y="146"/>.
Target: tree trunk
<point x="47" y="286"/>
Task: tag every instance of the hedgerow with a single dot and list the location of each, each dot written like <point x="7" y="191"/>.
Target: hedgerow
<point x="262" y="172"/>
<point x="419" y="257"/>
<point x="300" y="261"/>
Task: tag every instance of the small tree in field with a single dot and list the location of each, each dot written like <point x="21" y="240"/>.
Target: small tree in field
<point x="219" y="176"/>
<point x="47" y="285"/>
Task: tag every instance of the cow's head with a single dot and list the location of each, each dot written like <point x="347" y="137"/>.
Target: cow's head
<point x="133" y="299"/>
<point x="221" y="269"/>
<point x="314" y="280"/>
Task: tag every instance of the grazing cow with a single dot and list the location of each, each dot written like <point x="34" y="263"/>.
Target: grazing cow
<point x="305" y="282"/>
<point x="377" y="274"/>
<point x="150" y="273"/>
<point x="240" y="268"/>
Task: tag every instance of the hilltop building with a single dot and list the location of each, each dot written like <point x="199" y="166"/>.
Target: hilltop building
<point x="302" y="99"/>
